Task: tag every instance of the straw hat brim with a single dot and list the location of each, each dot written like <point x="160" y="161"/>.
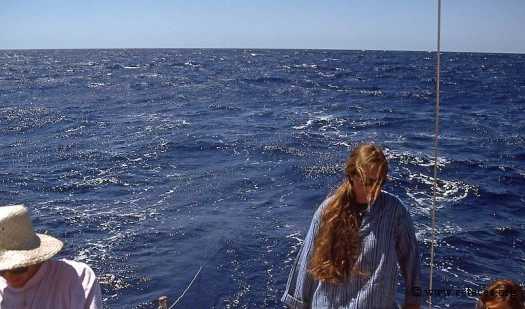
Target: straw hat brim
<point x="11" y="259"/>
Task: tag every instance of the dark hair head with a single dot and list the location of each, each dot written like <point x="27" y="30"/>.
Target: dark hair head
<point x="503" y="291"/>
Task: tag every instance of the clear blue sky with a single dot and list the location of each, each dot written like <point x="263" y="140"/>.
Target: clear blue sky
<point x="466" y="25"/>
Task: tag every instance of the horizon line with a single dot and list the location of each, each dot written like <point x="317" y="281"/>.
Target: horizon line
<point x="256" y="48"/>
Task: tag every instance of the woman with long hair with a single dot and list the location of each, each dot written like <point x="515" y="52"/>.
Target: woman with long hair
<point x="357" y="237"/>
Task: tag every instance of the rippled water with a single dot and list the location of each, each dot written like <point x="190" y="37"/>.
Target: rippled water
<point x="159" y="167"/>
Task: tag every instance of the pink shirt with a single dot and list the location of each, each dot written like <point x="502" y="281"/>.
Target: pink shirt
<point x="58" y="284"/>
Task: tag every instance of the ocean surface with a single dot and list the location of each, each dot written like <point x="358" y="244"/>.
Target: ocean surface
<point x="195" y="173"/>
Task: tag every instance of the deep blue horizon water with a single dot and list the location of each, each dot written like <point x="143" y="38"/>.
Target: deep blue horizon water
<point x="151" y="163"/>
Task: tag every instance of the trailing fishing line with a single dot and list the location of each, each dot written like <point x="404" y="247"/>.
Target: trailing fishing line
<point x="163" y="299"/>
<point x="187" y="288"/>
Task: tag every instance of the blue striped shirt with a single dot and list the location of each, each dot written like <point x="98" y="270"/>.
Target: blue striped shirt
<point x="388" y="238"/>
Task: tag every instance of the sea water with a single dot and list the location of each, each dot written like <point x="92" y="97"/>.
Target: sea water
<point x="194" y="173"/>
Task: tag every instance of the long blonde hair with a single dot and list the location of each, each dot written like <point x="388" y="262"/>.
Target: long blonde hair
<point x="337" y="245"/>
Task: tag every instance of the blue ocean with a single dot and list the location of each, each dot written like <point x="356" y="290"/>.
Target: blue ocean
<point x="195" y="173"/>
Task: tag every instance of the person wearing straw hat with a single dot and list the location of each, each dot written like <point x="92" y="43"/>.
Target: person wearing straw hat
<point x="31" y="278"/>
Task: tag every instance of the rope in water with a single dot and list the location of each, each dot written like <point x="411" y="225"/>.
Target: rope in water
<point x="186" y="290"/>
<point x="435" y="148"/>
<point x="163" y="299"/>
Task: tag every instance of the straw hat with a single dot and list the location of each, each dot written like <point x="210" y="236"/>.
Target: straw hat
<point x="20" y="246"/>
